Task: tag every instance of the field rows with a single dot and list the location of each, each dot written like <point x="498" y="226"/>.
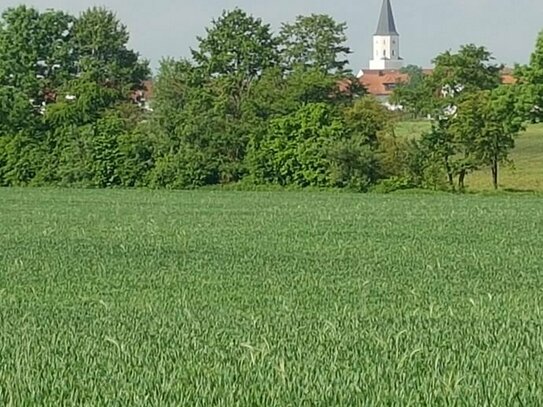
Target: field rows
<point x="272" y="299"/>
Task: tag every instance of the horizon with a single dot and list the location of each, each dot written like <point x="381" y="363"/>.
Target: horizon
<point x="164" y="29"/>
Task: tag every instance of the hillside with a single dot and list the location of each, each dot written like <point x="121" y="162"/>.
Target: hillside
<point x="525" y="173"/>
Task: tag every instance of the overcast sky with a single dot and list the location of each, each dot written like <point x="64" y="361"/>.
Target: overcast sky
<point x="427" y="27"/>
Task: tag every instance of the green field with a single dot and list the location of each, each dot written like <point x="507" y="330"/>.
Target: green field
<point x="270" y="299"/>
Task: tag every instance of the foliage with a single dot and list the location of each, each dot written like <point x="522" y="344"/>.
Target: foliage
<point x="470" y="69"/>
<point x="294" y="152"/>
<point x="35" y="52"/>
<point x="531" y="83"/>
<point x="366" y="118"/>
<point x="316" y="42"/>
<point x="413" y="94"/>
<point x="486" y="125"/>
<point x="249" y="107"/>
<point x="62" y="79"/>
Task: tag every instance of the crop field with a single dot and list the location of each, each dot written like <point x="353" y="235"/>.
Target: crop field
<point x="126" y="298"/>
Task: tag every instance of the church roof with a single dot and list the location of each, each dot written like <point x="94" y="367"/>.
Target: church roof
<point x="386" y="25"/>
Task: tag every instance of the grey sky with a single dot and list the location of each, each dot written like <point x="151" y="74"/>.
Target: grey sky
<point x="427" y="27"/>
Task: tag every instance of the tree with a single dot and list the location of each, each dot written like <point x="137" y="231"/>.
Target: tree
<point x="530" y="80"/>
<point x="435" y="156"/>
<point x="456" y="75"/>
<point x="35" y="60"/>
<point x="35" y="52"/>
<point x="199" y="142"/>
<point x="486" y="125"/>
<point x="452" y="93"/>
<point x="295" y="151"/>
<point x="365" y="119"/>
<point x="413" y="94"/>
<point x="315" y="41"/>
<point x="100" y="45"/>
<point x="237" y="49"/>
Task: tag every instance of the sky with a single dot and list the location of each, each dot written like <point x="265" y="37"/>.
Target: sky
<point x="168" y="28"/>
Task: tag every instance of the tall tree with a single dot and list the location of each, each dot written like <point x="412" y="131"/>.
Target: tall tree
<point x="316" y="41"/>
<point x="458" y="74"/>
<point x="237" y="49"/>
<point x="35" y="52"/>
<point x="94" y="107"/>
<point x="100" y="44"/>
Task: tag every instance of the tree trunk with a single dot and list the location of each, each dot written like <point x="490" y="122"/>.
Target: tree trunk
<point x="461" y="180"/>
<point x="495" y="173"/>
<point x="450" y="174"/>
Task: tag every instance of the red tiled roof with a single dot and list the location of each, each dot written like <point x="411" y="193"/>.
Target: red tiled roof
<point x="381" y="83"/>
<point x="508" y="79"/>
<point x="377" y="82"/>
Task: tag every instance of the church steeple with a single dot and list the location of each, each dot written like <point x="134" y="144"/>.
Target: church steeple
<point x="386" y="25"/>
<point x="386" y="42"/>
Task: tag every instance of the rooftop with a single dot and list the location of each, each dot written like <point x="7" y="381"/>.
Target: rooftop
<point x="386" y="25"/>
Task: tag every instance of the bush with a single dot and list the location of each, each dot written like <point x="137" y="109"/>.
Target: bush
<point x="353" y="166"/>
<point x="186" y="168"/>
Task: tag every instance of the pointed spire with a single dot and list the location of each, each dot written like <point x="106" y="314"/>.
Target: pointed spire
<point x="386" y="21"/>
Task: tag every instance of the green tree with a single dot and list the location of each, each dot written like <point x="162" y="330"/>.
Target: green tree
<point x="413" y="94"/>
<point x="295" y="151"/>
<point x="34" y="62"/>
<point x="89" y="117"/>
<point x="199" y="141"/>
<point x="530" y="79"/>
<point x="469" y="70"/>
<point x="316" y="41"/>
<point x="100" y="45"/>
<point x="486" y="125"/>
<point x="237" y="49"/>
<point x="35" y="52"/>
<point x="365" y="119"/>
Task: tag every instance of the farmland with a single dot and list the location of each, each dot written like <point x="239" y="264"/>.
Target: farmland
<point x="271" y="299"/>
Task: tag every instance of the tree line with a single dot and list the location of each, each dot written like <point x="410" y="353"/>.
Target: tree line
<point x="250" y="107"/>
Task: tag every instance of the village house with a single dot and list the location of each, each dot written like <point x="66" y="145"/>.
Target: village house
<point x="384" y="73"/>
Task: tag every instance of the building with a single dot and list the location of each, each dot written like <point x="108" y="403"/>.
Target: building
<point x="384" y="73"/>
<point x="385" y="67"/>
<point x="386" y="42"/>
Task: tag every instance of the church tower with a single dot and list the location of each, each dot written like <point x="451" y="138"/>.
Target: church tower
<point x="386" y="42"/>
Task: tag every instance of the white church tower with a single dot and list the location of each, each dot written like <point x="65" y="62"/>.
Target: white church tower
<point x="386" y="42"/>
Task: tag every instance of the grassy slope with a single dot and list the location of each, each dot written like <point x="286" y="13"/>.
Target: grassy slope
<point x="412" y="129"/>
<point x="525" y="173"/>
<point x="271" y="299"/>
